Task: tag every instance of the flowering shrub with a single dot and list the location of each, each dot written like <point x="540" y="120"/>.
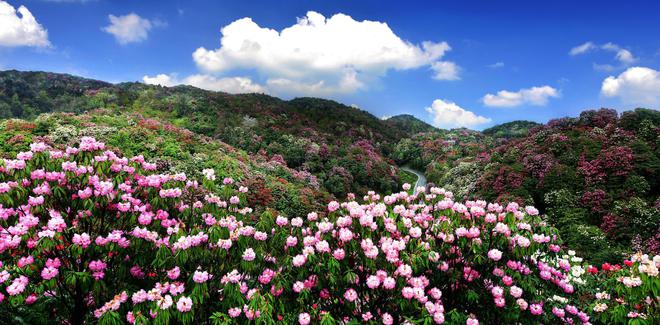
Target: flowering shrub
<point x="617" y="294"/>
<point x="600" y="158"/>
<point x="98" y="237"/>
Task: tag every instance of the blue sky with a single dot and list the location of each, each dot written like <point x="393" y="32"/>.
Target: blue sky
<point x="451" y="63"/>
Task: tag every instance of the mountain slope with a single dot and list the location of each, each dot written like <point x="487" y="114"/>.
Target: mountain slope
<point x="513" y="129"/>
<point x="409" y="124"/>
<point x="596" y="176"/>
<point x="345" y="147"/>
<point x="174" y="150"/>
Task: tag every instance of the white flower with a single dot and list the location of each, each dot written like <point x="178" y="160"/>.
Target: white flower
<point x="209" y="174"/>
<point x="577" y="271"/>
<point x="600" y="307"/>
<point x="560" y="299"/>
<point x="576" y="259"/>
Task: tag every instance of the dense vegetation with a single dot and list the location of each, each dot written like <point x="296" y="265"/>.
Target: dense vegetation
<point x="93" y="236"/>
<point x="344" y="147"/>
<point x="409" y="124"/>
<point x="514" y="129"/>
<point x="444" y="153"/>
<point x="595" y="177"/>
<point x="174" y="150"/>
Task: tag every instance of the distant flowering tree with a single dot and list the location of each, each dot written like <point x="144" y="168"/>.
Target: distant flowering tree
<point x="94" y="236"/>
<point x="618" y="160"/>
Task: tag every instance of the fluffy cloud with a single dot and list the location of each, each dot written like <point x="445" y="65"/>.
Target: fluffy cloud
<point x="20" y="28"/>
<point x="232" y="85"/>
<point x="622" y="55"/>
<point x="130" y="28"/>
<point x="581" y="49"/>
<point x="537" y="96"/>
<point x="637" y="86"/>
<point x="161" y="80"/>
<point x="320" y="54"/>
<point x="288" y="87"/>
<point x="445" y="70"/>
<point x="448" y="114"/>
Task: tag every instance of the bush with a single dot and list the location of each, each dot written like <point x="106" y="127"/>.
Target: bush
<point x="90" y="236"/>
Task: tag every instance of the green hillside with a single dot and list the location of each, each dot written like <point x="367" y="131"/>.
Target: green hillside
<point x="409" y="124"/>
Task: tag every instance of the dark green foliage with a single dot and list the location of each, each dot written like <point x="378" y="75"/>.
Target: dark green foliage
<point x="409" y="124"/>
<point x="514" y="129"/>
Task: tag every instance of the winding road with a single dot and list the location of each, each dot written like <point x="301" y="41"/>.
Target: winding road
<point x="421" y="179"/>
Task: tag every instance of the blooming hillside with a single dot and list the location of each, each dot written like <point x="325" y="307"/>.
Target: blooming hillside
<point x="344" y="147"/>
<point x="88" y="235"/>
<point x="173" y="149"/>
<point x="595" y="176"/>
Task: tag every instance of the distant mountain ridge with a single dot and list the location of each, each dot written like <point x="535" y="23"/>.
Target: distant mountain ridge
<point x="409" y="124"/>
<point x="513" y="129"/>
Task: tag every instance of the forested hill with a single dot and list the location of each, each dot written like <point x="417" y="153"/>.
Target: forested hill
<point x="345" y="147"/>
<point x="595" y="176"/>
<point x="513" y="129"/>
<point x="27" y="94"/>
<point x="409" y="124"/>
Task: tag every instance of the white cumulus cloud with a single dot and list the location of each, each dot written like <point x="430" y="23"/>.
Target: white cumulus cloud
<point x="318" y="53"/>
<point x="637" y="86"/>
<point x="232" y="85"/>
<point x="537" y="96"/>
<point x="161" y="80"/>
<point x="447" y="114"/>
<point x="288" y="87"/>
<point x="445" y="70"/>
<point x="130" y="28"/>
<point x="20" y="28"/>
<point x="622" y="55"/>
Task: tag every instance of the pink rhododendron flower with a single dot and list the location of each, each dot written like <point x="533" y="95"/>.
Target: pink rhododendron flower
<point x="494" y="254"/>
<point x="303" y="319"/>
<point x="350" y="295"/>
<point x="184" y="304"/>
<point x="249" y="255"/>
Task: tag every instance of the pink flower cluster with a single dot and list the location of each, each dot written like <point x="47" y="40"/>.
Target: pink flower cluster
<point x="183" y="244"/>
